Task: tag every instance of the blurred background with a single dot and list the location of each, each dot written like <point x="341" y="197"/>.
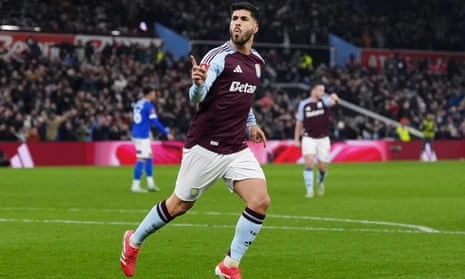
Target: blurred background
<point x="71" y="70"/>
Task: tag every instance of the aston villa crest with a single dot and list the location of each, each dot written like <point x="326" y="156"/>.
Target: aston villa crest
<point x="258" y="70"/>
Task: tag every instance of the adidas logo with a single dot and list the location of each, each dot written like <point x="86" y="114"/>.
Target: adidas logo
<point x="237" y="69"/>
<point x="22" y="159"/>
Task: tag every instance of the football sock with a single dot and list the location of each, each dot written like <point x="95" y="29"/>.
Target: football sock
<point x="139" y="166"/>
<point x="149" y="171"/>
<point x="321" y="176"/>
<point x="308" y="178"/>
<point x="247" y="228"/>
<point x="149" y="167"/>
<point x="155" y="220"/>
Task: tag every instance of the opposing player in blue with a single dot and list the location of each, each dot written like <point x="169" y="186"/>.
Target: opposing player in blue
<point x="144" y="116"/>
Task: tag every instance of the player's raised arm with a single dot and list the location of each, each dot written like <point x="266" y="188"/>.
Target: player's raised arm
<point x="203" y="76"/>
<point x="331" y="100"/>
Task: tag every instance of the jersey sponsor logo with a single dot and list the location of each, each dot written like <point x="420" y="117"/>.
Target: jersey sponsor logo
<point x="314" y="113"/>
<point x="236" y="86"/>
<point x="319" y="105"/>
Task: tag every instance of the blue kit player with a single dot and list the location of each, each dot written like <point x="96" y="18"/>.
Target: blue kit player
<point x="144" y="116"/>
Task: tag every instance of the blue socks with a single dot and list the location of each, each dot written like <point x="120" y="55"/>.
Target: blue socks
<point x="149" y="167"/>
<point x="155" y="220"/>
<point x="247" y="229"/>
<point x="138" y="168"/>
<point x="308" y="179"/>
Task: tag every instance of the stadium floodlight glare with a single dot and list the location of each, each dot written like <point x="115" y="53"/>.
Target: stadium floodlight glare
<point x="9" y="27"/>
<point x="115" y="33"/>
<point x="143" y="26"/>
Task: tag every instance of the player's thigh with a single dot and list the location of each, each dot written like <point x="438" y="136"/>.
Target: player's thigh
<point x="243" y="166"/>
<point x="200" y="168"/>
<point x="308" y="151"/>
<point x="308" y="146"/>
<point x="143" y="148"/>
<point x="323" y="150"/>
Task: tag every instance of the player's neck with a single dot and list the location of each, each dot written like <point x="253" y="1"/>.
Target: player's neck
<point x="314" y="99"/>
<point x="244" y="49"/>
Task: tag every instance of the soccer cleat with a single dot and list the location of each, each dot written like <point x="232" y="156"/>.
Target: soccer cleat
<point x="153" y="188"/>
<point x="128" y="255"/>
<point x="321" y="189"/>
<point x="138" y="190"/>
<point x="224" y="272"/>
<point x="309" y="195"/>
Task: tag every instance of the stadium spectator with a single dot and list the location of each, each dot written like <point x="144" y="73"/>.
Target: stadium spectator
<point x="394" y="24"/>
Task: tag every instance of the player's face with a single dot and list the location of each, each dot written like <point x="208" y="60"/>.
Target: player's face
<point x="318" y="91"/>
<point x="242" y="27"/>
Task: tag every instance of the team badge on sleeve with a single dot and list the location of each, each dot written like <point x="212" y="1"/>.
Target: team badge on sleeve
<point x="258" y="70"/>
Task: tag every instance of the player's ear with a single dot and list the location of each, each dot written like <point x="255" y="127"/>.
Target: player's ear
<point x="255" y="29"/>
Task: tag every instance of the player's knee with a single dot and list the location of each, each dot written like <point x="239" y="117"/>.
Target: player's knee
<point x="260" y="204"/>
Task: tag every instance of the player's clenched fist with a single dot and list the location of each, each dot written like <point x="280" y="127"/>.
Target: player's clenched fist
<point x="199" y="73"/>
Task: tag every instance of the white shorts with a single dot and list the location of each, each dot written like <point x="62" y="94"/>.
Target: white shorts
<point x="200" y="168"/>
<point x="320" y="148"/>
<point x="143" y="148"/>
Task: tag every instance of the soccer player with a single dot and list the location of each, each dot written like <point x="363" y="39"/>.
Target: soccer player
<point x="313" y="123"/>
<point x="144" y="116"/>
<point x="224" y="85"/>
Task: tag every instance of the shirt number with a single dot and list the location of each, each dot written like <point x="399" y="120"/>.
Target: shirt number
<point x="137" y="117"/>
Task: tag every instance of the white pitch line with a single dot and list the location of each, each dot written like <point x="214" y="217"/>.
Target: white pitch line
<point x="277" y="216"/>
<point x="183" y="225"/>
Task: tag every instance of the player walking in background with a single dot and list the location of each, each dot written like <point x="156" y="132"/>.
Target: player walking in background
<point x="429" y="131"/>
<point x="313" y="124"/>
<point x="144" y="116"/>
<point x="224" y="85"/>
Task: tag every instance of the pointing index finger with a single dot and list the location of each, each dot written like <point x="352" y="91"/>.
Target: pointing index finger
<point x="193" y="61"/>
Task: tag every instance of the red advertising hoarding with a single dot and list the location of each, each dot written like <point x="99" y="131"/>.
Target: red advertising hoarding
<point x="16" y="42"/>
<point x="375" y="58"/>
<point x="119" y="153"/>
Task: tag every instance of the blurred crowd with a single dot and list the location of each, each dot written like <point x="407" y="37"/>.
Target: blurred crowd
<point x="85" y="94"/>
<point x="428" y="24"/>
<point x="90" y="97"/>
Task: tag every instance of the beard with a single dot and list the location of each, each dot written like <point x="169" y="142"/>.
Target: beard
<point x="241" y="39"/>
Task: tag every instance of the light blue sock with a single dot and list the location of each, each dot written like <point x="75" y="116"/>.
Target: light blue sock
<point x="149" y="167"/>
<point x="247" y="229"/>
<point x="138" y="168"/>
<point x="308" y="178"/>
<point x="321" y="176"/>
<point x="155" y="220"/>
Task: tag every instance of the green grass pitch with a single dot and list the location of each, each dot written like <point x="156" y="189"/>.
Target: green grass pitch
<point x="385" y="220"/>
